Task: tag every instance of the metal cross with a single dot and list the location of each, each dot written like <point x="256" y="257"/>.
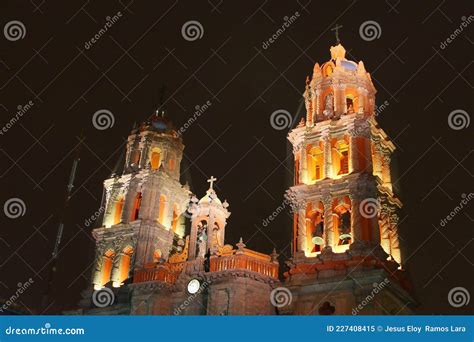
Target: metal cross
<point x="336" y="29"/>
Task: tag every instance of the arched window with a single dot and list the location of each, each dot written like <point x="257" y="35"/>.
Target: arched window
<point x="315" y="163"/>
<point x="118" y="210"/>
<point x="125" y="262"/>
<point x="161" y="209"/>
<point x="135" y="157"/>
<point x="171" y="164"/>
<point x="174" y="221"/>
<point x="340" y="157"/>
<point x="155" y="158"/>
<point x="107" y="263"/>
<point x="136" y="206"/>
<point x="157" y="255"/>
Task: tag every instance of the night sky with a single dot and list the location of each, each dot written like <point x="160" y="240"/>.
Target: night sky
<point x="421" y="79"/>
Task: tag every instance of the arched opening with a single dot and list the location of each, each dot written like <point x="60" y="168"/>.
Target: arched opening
<point x="315" y="162"/>
<point x="125" y="263"/>
<point x="171" y="164"/>
<point x="135" y="157"/>
<point x="136" y="206"/>
<point x="118" y="210"/>
<point x="342" y="223"/>
<point x="175" y="218"/>
<point x="107" y="264"/>
<point x="340" y="157"/>
<point x="328" y="69"/>
<point x="314" y="228"/>
<point x="155" y="158"/>
<point x="161" y="209"/>
<point x="157" y="255"/>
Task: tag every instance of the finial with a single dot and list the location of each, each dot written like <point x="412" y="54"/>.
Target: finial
<point x="336" y="29"/>
<point x="211" y="181"/>
<point x="274" y="255"/>
<point x="160" y="109"/>
<point x="240" y="245"/>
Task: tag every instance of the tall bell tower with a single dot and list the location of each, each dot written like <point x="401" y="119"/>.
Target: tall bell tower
<point x="346" y="217"/>
<point x="143" y="205"/>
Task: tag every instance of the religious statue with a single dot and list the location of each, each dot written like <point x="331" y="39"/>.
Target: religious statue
<point x="329" y="105"/>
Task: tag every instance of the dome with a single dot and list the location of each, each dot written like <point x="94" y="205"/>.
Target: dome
<point x="157" y="123"/>
<point x="210" y="197"/>
<point x="349" y="65"/>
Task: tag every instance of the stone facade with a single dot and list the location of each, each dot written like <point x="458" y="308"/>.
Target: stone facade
<point x="346" y="255"/>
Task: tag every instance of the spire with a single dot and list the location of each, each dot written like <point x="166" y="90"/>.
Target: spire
<point x="160" y="110"/>
<point x="336" y="31"/>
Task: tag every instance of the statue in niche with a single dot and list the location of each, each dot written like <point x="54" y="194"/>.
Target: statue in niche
<point x="201" y="241"/>
<point x="329" y="105"/>
<point x="345" y="228"/>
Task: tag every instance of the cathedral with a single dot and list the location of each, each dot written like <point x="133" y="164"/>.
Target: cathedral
<point x="161" y="250"/>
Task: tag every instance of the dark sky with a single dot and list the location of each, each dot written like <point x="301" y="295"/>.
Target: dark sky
<point x="233" y="140"/>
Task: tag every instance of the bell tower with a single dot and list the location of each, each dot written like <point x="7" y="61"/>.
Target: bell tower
<point x="346" y="212"/>
<point x="208" y="222"/>
<point x="143" y="204"/>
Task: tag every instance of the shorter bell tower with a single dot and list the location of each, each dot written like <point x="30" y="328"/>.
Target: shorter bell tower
<point x="208" y="222"/>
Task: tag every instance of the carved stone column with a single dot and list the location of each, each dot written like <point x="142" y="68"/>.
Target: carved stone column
<point x="387" y="179"/>
<point x="356" y="228"/>
<point x="361" y="98"/>
<point x="327" y="156"/>
<point x="384" y="222"/>
<point x="301" y="237"/>
<point x="394" y="240"/>
<point x="353" y="153"/>
<point x="304" y="165"/>
<point x="328" y="222"/>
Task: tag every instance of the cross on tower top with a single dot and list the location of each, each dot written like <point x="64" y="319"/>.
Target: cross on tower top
<point x="336" y="29"/>
<point x="211" y="181"/>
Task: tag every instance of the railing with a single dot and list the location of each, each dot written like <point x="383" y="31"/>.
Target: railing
<point x="160" y="273"/>
<point x="244" y="262"/>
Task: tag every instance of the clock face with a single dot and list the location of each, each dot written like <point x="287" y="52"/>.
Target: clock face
<point x="193" y="286"/>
